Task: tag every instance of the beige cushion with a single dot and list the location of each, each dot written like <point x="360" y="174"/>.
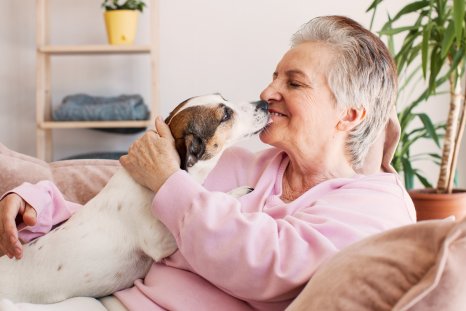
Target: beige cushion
<point x="78" y="180"/>
<point x="416" y="267"/>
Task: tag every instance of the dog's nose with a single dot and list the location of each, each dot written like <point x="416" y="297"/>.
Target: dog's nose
<point x="261" y="105"/>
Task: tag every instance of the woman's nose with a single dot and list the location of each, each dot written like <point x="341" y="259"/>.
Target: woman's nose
<point x="270" y="93"/>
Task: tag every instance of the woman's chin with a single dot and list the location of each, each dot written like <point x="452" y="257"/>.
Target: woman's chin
<point x="266" y="136"/>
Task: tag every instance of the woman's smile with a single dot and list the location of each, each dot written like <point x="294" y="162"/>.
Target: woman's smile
<point x="275" y="115"/>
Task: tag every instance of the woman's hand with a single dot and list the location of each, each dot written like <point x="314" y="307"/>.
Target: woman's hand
<point x="152" y="159"/>
<point x="13" y="207"/>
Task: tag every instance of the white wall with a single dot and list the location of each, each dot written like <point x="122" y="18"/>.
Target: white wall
<point x="205" y="46"/>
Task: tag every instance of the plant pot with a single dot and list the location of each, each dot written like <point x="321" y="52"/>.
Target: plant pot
<point x="432" y="205"/>
<point x="121" y="26"/>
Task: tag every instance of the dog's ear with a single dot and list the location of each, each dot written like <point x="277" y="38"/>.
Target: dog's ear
<point x="181" y="149"/>
<point x="195" y="148"/>
<point x="190" y="148"/>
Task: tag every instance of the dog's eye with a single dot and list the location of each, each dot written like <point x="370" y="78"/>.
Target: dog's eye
<point x="227" y="112"/>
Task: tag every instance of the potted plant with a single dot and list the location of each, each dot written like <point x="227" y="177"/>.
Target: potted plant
<point x="121" y="19"/>
<point x="437" y="41"/>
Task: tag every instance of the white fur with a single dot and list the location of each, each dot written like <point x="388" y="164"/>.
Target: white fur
<point x="90" y="255"/>
<point x="110" y="242"/>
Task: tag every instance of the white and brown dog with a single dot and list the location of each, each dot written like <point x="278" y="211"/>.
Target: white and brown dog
<point x="113" y="240"/>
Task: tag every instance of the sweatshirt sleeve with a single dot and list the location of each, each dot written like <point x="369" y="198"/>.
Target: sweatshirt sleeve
<point x="49" y="204"/>
<point x="248" y="255"/>
<point x="254" y="256"/>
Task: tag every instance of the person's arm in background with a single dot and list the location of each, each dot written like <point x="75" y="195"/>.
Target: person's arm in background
<point x="30" y="211"/>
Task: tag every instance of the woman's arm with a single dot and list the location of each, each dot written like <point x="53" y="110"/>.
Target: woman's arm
<point x="251" y="256"/>
<point x="265" y="256"/>
<point x="50" y="209"/>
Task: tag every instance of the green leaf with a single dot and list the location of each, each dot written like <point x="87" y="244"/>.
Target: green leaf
<point x="406" y="50"/>
<point x="411" y="141"/>
<point x="412" y="7"/>
<point x="373" y="5"/>
<point x="420" y="131"/>
<point x="458" y="16"/>
<point x="436" y="64"/>
<point x="458" y="59"/>
<point x="435" y="155"/>
<point x="126" y="5"/>
<point x="403" y="54"/>
<point x="425" y="48"/>
<point x="429" y="126"/>
<point x="441" y="7"/>
<point x="394" y="31"/>
<point x="413" y="54"/>
<point x="406" y="119"/>
<point x="448" y="39"/>
<point x="408" y="78"/>
<point x="425" y="156"/>
<point x="424" y="95"/>
<point x="423" y="180"/>
<point x="391" y="40"/>
<point x="408" y="173"/>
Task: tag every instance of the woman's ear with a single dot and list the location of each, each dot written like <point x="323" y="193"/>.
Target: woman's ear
<point x="351" y="118"/>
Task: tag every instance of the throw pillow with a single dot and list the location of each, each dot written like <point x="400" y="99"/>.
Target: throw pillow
<point x="78" y="180"/>
<point x="415" y="267"/>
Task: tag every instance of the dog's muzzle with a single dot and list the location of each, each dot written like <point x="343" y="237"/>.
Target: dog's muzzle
<point x="261" y="105"/>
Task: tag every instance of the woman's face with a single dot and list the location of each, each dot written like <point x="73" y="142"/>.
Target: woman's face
<point x="301" y="104"/>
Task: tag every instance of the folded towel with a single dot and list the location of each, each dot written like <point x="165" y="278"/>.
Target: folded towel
<point x="83" y="107"/>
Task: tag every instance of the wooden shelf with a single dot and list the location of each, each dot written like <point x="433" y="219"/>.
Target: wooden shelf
<point x="94" y="124"/>
<point x="94" y="49"/>
<point x="45" y="51"/>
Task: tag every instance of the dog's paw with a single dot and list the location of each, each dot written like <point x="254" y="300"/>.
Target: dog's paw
<point x="7" y="305"/>
<point x="240" y="191"/>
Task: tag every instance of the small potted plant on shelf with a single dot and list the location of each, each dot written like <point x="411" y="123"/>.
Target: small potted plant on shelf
<point x="121" y="19"/>
<point x="436" y="40"/>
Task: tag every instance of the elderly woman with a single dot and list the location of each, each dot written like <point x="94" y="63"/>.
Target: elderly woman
<point x="329" y="100"/>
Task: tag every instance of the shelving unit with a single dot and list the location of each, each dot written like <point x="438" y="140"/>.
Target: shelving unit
<point x="44" y="52"/>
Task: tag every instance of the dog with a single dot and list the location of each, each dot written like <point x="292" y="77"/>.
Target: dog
<point x="113" y="239"/>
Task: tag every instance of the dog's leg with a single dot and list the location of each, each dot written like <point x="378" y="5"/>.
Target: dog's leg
<point x="240" y="191"/>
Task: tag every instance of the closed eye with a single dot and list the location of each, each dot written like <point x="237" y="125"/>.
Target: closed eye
<point x="294" y="84"/>
<point x="227" y="113"/>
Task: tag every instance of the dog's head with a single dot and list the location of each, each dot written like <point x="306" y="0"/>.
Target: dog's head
<point x="204" y="126"/>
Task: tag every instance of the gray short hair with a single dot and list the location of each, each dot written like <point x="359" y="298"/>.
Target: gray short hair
<point x="363" y="74"/>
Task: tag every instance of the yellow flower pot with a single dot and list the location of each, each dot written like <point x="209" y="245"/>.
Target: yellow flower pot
<point x="121" y="26"/>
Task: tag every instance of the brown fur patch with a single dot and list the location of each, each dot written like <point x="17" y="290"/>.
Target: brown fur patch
<point x="208" y="125"/>
<point x="175" y="111"/>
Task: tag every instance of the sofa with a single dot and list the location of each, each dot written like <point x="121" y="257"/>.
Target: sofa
<point x="415" y="267"/>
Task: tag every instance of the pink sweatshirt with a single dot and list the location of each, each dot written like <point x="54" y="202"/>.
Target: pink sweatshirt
<point x="256" y="252"/>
